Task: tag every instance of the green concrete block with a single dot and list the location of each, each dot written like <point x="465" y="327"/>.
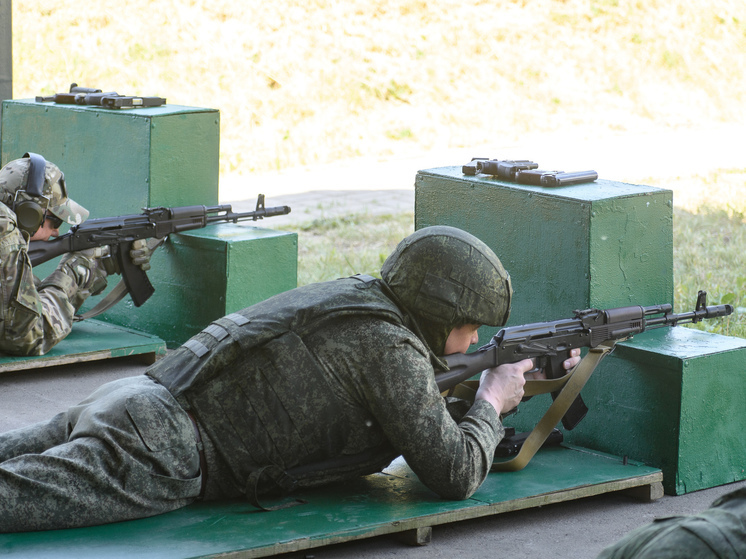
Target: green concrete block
<point x="671" y="398"/>
<point x="204" y="274"/>
<point x="119" y="161"/>
<point x="603" y="244"/>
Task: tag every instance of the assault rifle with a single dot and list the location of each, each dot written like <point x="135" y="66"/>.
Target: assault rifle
<point x="79" y="95"/>
<point x="119" y="233"/>
<point x="549" y="343"/>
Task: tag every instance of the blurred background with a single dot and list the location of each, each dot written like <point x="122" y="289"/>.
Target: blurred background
<point x="334" y="95"/>
<point x="322" y="81"/>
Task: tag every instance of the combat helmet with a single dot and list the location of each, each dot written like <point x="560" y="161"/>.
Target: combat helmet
<point x="445" y="278"/>
<point x="31" y="187"/>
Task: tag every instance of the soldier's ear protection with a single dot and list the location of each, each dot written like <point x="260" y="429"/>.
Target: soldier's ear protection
<point x="28" y="207"/>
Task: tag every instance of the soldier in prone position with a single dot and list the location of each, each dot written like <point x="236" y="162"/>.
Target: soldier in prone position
<point x="316" y="385"/>
<point x="35" y="315"/>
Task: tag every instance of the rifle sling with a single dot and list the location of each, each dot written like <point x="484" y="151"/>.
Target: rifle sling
<point x="111" y="299"/>
<point x="578" y="377"/>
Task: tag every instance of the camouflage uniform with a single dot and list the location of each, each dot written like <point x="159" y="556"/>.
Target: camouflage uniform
<point x="316" y="385"/>
<point x="36" y="316"/>
<point x="717" y="533"/>
<point x="127" y="451"/>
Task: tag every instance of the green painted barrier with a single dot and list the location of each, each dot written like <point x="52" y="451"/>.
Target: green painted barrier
<point x="202" y="275"/>
<point x="605" y="244"/>
<point x="672" y="398"/>
<point x="118" y="161"/>
<point x="91" y="340"/>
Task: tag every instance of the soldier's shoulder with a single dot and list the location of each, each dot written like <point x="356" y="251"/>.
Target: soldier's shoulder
<point x="7" y="220"/>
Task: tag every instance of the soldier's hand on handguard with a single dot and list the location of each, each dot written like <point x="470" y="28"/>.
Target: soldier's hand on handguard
<point x="140" y="254"/>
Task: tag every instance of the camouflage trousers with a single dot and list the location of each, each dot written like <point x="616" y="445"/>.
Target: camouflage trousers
<point x="128" y="451"/>
<point x="717" y="533"/>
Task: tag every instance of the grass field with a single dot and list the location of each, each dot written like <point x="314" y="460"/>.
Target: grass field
<point x="321" y="81"/>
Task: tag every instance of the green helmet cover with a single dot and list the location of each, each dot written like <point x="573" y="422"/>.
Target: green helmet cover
<point x="445" y="278"/>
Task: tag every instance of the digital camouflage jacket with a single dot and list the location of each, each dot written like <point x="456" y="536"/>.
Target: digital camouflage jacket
<point x="327" y="382"/>
<point x="716" y="533"/>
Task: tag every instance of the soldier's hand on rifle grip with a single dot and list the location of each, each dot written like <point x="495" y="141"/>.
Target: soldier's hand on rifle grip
<point x="567" y="365"/>
<point x="503" y="386"/>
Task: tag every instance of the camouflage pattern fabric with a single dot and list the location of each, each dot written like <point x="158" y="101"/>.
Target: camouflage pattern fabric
<point x="446" y="277"/>
<point x="717" y="533"/>
<point x="128" y="451"/>
<point x="312" y="382"/>
<point x="322" y="372"/>
<point x="335" y="370"/>
<point x="386" y="389"/>
<point x="33" y="319"/>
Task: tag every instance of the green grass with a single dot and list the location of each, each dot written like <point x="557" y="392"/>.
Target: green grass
<point x="709" y="254"/>
<point x="312" y="83"/>
<point x="343" y="246"/>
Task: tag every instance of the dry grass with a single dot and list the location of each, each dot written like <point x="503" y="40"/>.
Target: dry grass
<point x="305" y="83"/>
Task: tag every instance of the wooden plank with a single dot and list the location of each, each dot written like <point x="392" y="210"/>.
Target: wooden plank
<point x="91" y="340"/>
<point x="417" y="536"/>
<point x="393" y="502"/>
<point x="646" y="493"/>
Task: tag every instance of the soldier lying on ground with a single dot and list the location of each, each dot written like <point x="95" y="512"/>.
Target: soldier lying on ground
<point x="36" y="316"/>
<point x="316" y="385"/>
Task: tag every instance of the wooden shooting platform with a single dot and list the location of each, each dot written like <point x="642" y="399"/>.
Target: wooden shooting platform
<point x="91" y="340"/>
<point x="387" y="503"/>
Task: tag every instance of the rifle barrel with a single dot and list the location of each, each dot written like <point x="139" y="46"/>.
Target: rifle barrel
<point x="714" y="311"/>
<point x="255" y="215"/>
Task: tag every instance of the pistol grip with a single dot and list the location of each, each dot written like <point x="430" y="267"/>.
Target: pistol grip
<point x="137" y="282"/>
